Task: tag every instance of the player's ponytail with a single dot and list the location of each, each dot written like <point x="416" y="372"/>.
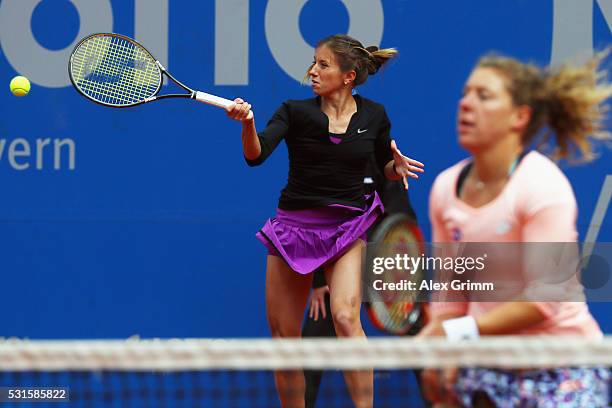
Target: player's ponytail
<point x="352" y="55"/>
<point x="567" y="103"/>
<point x="575" y="97"/>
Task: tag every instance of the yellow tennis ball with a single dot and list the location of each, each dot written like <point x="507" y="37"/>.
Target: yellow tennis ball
<point x="20" y="86"/>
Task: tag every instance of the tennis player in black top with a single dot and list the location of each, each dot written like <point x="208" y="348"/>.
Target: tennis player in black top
<point x="323" y="212"/>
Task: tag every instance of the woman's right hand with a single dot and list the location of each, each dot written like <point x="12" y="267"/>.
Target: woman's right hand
<point x="437" y="385"/>
<point x="432" y="328"/>
<point x="317" y="303"/>
<point x="240" y="110"/>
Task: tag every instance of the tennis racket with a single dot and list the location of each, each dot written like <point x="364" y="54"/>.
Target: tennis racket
<point x="114" y="70"/>
<point x="396" y="312"/>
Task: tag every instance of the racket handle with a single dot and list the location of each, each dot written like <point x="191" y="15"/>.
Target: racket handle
<point x="216" y="101"/>
<point x="212" y="99"/>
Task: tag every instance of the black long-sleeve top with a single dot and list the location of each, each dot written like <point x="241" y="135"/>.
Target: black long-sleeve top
<point x="321" y="172"/>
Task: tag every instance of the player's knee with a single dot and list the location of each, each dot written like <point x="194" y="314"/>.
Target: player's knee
<point x="346" y="321"/>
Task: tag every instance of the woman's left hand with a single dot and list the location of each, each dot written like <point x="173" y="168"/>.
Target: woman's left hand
<point x="317" y="303"/>
<point x="405" y="166"/>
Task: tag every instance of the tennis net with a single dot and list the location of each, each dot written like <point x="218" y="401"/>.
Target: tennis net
<point x="239" y="373"/>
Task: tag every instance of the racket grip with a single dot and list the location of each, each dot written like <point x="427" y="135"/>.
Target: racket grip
<point x="212" y="99"/>
<point x="216" y="101"/>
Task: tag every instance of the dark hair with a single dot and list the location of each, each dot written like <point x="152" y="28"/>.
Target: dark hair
<point x="352" y="55"/>
<point x="568" y="101"/>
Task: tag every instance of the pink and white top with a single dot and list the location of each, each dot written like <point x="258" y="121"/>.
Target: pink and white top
<point x="536" y="205"/>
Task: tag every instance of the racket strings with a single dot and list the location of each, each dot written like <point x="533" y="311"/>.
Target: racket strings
<point x="94" y="80"/>
<point x="109" y="69"/>
<point x="114" y="71"/>
<point x="100" y="89"/>
<point x="122" y="51"/>
<point x="92" y="51"/>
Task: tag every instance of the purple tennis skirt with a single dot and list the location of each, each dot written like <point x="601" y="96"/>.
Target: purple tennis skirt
<point x="307" y="239"/>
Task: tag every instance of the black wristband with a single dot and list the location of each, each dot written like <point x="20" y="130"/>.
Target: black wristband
<point x="318" y="279"/>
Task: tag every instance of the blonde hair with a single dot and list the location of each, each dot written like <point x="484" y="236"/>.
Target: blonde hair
<point x="568" y="102"/>
<point x="352" y="55"/>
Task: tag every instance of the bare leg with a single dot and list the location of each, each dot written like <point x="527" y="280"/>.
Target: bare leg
<point x="324" y="327"/>
<point x="344" y="278"/>
<point x="286" y="296"/>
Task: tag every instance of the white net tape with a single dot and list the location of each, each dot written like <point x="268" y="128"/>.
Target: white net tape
<point x="264" y="354"/>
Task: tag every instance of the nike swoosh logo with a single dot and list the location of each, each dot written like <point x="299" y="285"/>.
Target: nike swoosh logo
<point x="361" y="130"/>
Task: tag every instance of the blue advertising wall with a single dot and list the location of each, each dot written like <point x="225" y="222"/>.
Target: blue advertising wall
<point x="141" y="221"/>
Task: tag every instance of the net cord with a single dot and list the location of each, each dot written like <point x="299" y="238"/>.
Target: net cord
<point x="269" y="354"/>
